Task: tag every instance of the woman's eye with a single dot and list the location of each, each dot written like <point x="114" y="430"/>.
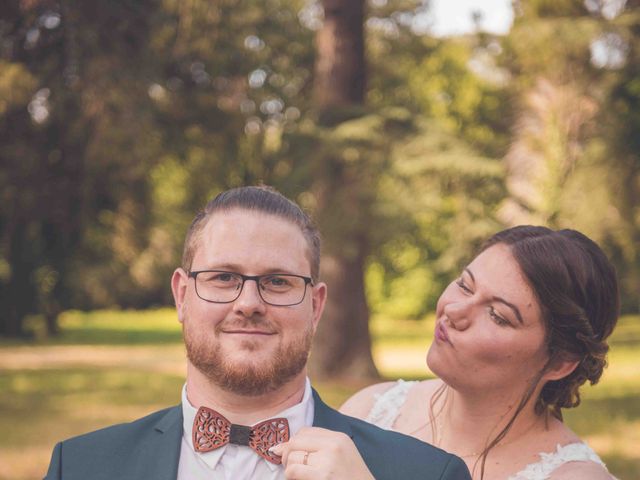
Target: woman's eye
<point x="497" y="318"/>
<point x="463" y="286"/>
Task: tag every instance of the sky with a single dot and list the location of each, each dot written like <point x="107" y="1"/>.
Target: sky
<point x="452" y="17"/>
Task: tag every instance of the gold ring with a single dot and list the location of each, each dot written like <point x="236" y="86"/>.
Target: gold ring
<point x="305" y="458"/>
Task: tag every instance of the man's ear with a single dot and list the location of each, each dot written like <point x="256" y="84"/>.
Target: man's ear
<point x="179" y="281"/>
<point x="318" y="301"/>
<point x="561" y="366"/>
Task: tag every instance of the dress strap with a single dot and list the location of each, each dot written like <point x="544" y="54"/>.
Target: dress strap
<point x="573" y="452"/>
<point x="387" y="404"/>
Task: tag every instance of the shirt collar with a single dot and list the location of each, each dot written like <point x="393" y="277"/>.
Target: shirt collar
<point x="299" y="415"/>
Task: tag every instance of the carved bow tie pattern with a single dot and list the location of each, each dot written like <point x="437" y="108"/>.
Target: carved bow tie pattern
<point x="211" y="431"/>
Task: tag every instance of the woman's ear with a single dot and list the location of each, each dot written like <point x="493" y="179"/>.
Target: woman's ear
<point x="560" y="366"/>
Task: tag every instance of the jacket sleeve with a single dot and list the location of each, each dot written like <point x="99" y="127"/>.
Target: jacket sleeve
<point x="456" y="469"/>
<point x="54" y="472"/>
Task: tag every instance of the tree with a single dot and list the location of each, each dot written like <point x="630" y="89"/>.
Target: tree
<point x="368" y="208"/>
<point x="574" y="66"/>
<point x="49" y="183"/>
<point x="621" y="118"/>
<point x="343" y="344"/>
<point x="120" y="119"/>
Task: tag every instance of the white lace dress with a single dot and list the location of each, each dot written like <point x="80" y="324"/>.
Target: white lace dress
<point x="387" y="407"/>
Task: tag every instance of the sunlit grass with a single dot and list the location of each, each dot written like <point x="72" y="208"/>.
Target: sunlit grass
<point x="120" y="327"/>
<point x="114" y="366"/>
<point x="40" y="407"/>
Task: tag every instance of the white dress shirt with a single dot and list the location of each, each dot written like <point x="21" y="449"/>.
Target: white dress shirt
<point x="236" y="462"/>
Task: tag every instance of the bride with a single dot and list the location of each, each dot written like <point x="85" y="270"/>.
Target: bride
<point x="516" y="335"/>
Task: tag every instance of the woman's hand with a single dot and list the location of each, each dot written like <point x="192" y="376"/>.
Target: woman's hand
<point x="318" y="454"/>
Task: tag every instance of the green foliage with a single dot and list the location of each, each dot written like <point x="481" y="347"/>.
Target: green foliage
<point x="453" y="80"/>
<point x="548" y="48"/>
<point x="552" y="8"/>
<point x="407" y="291"/>
<point x="16" y="85"/>
<point x="572" y="162"/>
<point x="448" y="90"/>
<point x="357" y="150"/>
<point x="621" y="118"/>
<point x="439" y="200"/>
<point x="120" y="120"/>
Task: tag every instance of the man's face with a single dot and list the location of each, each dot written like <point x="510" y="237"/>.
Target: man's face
<point x="247" y="346"/>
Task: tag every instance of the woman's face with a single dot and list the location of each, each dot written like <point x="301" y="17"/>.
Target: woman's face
<point x="489" y="332"/>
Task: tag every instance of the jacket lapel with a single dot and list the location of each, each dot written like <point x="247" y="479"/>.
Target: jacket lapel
<point x="161" y="451"/>
<point x="326" y="417"/>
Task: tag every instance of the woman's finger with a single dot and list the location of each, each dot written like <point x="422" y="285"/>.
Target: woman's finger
<point x="312" y="439"/>
<point x="297" y="471"/>
<point x="300" y="457"/>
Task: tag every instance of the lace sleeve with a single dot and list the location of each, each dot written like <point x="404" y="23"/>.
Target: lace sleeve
<point x="387" y="405"/>
<point x="573" y="452"/>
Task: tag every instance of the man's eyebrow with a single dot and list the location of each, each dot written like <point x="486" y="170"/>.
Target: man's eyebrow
<point x="226" y="267"/>
<point x="511" y="306"/>
<point x="235" y="268"/>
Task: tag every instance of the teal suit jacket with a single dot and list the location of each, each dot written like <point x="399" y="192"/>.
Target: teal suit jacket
<point x="149" y="448"/>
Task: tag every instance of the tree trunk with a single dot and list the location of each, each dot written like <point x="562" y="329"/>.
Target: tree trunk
<point x="340" y="67"/>
<point x="629" y="275"/>
<point x="16" y="296"/>
<point x="343" y="344"/>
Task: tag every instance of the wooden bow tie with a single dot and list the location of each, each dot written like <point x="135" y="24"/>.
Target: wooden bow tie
<point x="211" y="430"/>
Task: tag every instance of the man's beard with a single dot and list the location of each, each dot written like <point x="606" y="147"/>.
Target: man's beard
<point x="250" y="378"/>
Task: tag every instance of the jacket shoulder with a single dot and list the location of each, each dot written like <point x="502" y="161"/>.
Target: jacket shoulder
<point x="391" y="452"/>
<point x="119" y="432"/>
<point x="391" y="455"/>
<point x="123" y="451"/>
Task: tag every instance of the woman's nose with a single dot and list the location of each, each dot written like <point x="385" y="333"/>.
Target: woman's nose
<point x="458" y="314"/>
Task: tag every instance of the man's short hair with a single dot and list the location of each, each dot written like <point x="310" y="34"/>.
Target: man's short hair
<point x="257" y="199"/>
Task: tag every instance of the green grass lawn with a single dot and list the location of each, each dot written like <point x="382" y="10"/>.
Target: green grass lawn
<point x="110" y="366"/>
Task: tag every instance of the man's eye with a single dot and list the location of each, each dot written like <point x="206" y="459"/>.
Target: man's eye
<point x="277" y="281"/>
<point x="222" y="277"/>
<point x="219" y="278"/>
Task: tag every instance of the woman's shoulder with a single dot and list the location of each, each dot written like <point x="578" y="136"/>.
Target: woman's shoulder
<point x="360" y="403"/>
<point x="581" y="470"/>
<point x="570" y="459"/>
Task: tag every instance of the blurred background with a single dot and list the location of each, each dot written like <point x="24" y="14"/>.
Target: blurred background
<point x="411" y="130"/>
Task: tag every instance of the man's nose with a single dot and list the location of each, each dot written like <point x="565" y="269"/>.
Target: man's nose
<point x="249" y="302"/>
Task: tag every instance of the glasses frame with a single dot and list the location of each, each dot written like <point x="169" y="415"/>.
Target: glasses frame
<point x="255" y="278"/>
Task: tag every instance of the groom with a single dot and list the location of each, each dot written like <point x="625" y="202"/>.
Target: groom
<point x="249" y="300"/>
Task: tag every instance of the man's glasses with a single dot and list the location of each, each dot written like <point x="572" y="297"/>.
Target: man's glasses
<point x="278" y="289"/>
